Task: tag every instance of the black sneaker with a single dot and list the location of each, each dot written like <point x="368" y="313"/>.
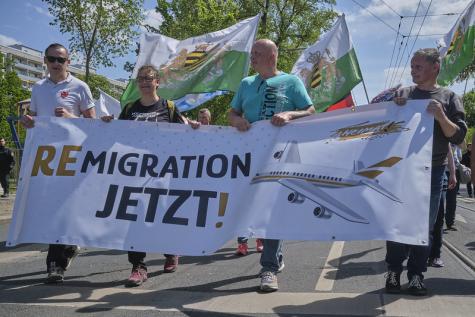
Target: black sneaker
<point x="393" y="282"/>
<point x="55" y="274"/>
<point x="416" y="286"/>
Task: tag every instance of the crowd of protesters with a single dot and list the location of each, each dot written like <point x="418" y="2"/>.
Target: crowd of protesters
<point x="62" y="95"/>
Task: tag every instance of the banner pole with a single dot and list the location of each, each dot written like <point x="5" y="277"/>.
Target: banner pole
<point x="366" y="92"/>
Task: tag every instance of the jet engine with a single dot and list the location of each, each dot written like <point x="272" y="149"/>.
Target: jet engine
<point x="278" y="155"/>
<point x="321" y="212"/>
<point x="295" y="198"/>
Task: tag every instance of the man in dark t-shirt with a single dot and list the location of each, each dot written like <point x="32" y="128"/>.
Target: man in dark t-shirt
<point x="160" y="111"/>
<point x="449" y="126"/>
<point x="150" y="107"/>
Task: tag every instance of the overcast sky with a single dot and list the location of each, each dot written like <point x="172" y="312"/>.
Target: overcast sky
<point x="27" y="22"/>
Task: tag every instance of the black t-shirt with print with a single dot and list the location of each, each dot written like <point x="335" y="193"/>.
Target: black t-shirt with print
<point x="158" y="112"/>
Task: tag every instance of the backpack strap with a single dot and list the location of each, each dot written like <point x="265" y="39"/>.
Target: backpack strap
<point x="171" y="110"/>
<point x="127" y="107"/>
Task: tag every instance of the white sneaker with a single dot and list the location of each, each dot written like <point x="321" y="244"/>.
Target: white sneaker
<point x="268" y="282"/>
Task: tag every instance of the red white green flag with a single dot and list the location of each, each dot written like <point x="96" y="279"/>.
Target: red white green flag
<point x="329" y="68"/>
<point x="212" y="62"/>
<point x="457" y="46"/>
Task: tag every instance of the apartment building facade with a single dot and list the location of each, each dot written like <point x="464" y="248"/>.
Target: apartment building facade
<point x="28" y="64"/>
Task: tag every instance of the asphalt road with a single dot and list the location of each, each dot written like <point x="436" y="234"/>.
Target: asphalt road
<point x="320" y="279"/>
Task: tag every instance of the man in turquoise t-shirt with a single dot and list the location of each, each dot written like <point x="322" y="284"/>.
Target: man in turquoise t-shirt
<point x="280" y="97"/>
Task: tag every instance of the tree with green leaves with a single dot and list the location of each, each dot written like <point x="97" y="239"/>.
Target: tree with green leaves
<point x="291" y="24"/>
<point x="466" y="73"/>
<point x="469" y="106"/>
<point x="100" y="30"/>
<point x="97" y="82"/>
<point x="11" y="92"/>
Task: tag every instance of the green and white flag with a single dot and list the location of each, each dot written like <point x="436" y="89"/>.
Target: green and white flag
<point x="457" y="46"/>
<point x="329" y="68"/>
<point x="202" y="64"/>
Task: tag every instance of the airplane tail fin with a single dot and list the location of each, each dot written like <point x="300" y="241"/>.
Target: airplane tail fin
<point x="371" y="172"/>
<point x="389" y="162"/>
<point x="291" y="153"/>
<point x="357" y="166"/>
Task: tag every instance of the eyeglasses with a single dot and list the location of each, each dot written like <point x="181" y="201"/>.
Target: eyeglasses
<point x="53" y="59"/>
<point x="147" y="79"/>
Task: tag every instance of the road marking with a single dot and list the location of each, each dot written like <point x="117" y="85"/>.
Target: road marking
<point x="327" y="277"/>
<point x="23" y="286"/>
<point x="460" y="218"/>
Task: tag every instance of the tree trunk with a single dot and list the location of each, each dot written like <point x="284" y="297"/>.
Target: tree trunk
<point x="86" y="78"/>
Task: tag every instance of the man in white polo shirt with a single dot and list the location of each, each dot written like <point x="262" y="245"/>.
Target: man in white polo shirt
<point x="62" y="95"/>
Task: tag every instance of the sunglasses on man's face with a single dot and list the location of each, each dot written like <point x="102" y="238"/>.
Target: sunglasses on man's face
<point x="53" y="59"/>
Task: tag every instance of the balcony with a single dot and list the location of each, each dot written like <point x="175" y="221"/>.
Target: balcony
<point x="28" y="78"/>
<point x="30" y="68"/>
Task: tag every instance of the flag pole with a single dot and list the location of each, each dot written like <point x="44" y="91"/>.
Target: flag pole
<point x="364" y="86"/>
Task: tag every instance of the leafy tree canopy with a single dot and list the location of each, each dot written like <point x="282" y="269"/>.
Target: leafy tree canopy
<point x="97" y="82"/>
<point x="291" y="24"/>
<point x="100" y="30"/>
<point x="11" y="92"/>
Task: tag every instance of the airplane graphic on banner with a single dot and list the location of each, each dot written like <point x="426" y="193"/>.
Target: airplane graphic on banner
<point x="306" y="181"/>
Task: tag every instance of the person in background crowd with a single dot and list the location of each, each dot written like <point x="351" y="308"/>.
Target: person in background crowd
<point x="6" y="165"/>
<point x="450" y="181"/>
<point x="204" y="116"/>
<point x="451" y="194"/>
<point x="466" y="159"/>
<point x="472" y="161"/>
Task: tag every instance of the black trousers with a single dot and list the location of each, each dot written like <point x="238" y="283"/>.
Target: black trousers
<point x="438" y="229"/>
<point x="4" y="182"/>
<point x="469" y="189"/>
<point x="59" y="254"/>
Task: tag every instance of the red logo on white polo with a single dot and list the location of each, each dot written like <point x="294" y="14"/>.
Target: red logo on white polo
<point x="64" y="94"/>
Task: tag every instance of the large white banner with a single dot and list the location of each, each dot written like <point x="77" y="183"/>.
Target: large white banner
<point x="344" y="175"/>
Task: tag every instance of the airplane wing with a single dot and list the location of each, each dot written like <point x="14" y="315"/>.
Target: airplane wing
<point x="380" y="189"/>
<point x="323" y="199"/>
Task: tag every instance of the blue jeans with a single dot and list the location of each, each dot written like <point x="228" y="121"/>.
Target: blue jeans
<point x="271" y="256"/>
<point x="418" y="255"/>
